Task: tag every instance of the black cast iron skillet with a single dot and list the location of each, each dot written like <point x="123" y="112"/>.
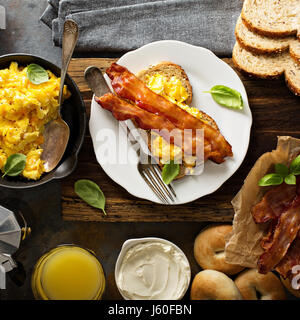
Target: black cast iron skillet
<point x="73" y="112"/>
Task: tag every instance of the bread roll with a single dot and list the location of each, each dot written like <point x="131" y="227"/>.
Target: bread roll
<point x="256" y="286"/>
<point x="214" y="285"/>
<point x="209" y="248"/>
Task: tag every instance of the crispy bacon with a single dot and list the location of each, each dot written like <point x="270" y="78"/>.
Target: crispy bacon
<point x="123" y="110"/>
<point x="280" y="206"/>
<point x="291" y="259"/>
<point x="128" y="86"/>
<point x="274" y="202"/>
<point x="267" y="240"/>
<point x="285" y="232"/>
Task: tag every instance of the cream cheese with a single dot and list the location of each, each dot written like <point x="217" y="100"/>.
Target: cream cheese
<point x="153" y="270"/>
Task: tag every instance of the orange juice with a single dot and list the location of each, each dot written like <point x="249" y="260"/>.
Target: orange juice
<point x="68" y="273"/>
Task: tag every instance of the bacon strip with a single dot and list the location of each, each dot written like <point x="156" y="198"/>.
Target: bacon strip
<point x="285" y="232"/>
<point x="128" y="86"/>
<point x="291" y="259"/>
<point x="123" y="110"/>
<point x="274" y="202"/>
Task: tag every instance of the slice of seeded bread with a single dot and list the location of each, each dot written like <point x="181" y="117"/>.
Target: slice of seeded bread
<point x="292" y="76"/>
<point x="170" y="69"/>
<point x="273" y="18"/>
<point x="268" y="66"/>
<point x="262" y="66"/>
<point x="295" y="50"/>
<point x="260" y="44"/>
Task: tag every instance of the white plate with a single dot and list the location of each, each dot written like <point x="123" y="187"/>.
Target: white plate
<point x="204" y="70"/>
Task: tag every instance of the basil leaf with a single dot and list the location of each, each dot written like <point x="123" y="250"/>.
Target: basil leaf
<point x="226" y="97"/>
<point x="281" y="169"/>
<point x="89" y="191"/>
<point x="14" y="165"/>
<point x="290" y="179"/>
<point x="37" y="74"/>
<point x="170" y="171"/>
<point x="271" y="179"/>
<point x="295" y="166"/>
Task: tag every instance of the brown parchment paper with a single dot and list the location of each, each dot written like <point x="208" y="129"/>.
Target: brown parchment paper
<point x="243" y="245"/>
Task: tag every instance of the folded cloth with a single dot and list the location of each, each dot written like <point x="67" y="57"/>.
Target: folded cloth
<point x="122" y="25"/>
<point x="49" y="15"/>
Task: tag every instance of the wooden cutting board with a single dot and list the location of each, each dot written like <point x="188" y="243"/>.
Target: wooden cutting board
<point x="275" y="112"/>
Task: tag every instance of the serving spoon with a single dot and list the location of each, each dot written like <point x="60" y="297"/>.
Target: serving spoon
<point x="57" y="132"/>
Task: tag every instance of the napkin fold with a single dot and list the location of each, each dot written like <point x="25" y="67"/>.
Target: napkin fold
<point x="123" y="25"/>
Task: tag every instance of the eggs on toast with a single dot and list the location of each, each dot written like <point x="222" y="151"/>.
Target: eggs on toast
<point x="170" y="81"/>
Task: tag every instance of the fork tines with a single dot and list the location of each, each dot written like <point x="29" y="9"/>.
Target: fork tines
<point x="152" y="176"/>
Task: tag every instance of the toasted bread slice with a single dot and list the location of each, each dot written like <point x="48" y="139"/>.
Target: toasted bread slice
<point x="260" y="44"/>
<point x="268" y="67"/>
<point x="273" y="18"/>
<point x="169" y="69"/>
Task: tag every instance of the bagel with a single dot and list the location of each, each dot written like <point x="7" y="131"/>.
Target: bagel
<point x="287" y="283"/>
<point x="209" y="249"/>
<point x="214" y="285"/>
<point x="256" y="286"/>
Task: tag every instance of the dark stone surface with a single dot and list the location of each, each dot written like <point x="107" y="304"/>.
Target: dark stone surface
<point x="41" y="206"/>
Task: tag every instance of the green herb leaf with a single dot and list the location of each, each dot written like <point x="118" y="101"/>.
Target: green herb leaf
<point x="170" y="171"/>
<point x="226" y="97"/>
<point x="14" y="165"/>
<point x="290" y="179"/>
<point x="37" y="74"/>
<point x="281" y="169"/>
<point x="295" y="166"/>
<point x="90" y="192"/>
<point x="271" y="179"/>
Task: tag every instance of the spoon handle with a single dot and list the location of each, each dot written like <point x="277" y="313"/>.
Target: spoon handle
<point x="69" y="40"/>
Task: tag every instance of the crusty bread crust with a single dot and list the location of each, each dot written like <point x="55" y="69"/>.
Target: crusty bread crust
<point x="259" y="44"/>
<point x="246" y="62"/>
<point x="290" y="82"/>
<point x="295" y="51"/>
<point x="268" y="67"/>
<point x="267" y="33"/>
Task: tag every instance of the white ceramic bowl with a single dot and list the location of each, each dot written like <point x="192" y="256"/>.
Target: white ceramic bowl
<point x="132" y="242"/>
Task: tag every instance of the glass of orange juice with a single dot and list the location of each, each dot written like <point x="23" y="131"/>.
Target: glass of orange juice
<point x="68" y="272"/>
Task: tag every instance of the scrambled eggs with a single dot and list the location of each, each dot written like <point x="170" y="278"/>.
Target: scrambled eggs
<point x="24" y="110"/>
<point x="173" y="90"/>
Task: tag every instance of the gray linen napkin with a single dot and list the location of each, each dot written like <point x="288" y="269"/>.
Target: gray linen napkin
<point x="122" y="25"/>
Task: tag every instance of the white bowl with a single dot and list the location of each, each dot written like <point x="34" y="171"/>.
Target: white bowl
<point x="132" y="242"/>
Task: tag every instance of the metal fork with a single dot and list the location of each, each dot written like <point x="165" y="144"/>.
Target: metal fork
<point x="152" y="175"/>
<point x="149" y="171"/>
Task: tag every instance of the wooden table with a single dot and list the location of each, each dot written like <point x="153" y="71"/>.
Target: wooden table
<point x="275" y="112"/>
